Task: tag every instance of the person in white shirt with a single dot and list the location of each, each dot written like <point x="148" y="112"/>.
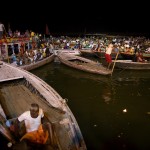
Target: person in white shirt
<point x="108" y="58"/>
<point x="37" y="131"/>
<point x="31" y="118"/>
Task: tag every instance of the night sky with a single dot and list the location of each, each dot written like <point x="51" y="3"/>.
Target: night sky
<point x="78" y="16"/>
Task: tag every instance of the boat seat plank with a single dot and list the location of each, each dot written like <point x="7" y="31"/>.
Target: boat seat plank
<point x="7" y="73"/>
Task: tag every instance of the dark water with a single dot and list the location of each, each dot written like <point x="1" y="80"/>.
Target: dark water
<point x="98" y="103"/>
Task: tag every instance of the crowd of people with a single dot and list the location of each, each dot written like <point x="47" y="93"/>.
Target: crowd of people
<point x="40" y="46"/>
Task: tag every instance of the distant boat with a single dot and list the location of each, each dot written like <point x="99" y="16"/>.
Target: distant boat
<point x="18" y="89"/>
<point x="132" y="56"/>
<point x="129" y="64"/>
<point x="13" y="47"/>
<point x="67" y="51"/>
<point x="83" y="64"/>
<point x="99" y="54"/>
<point x="39" y="63"/>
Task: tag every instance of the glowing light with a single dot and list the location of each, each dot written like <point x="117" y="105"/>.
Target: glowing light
<point x="124" y="110"/>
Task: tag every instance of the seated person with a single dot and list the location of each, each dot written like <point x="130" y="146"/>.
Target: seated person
<point x="31" y="56"/>
<point x="39" y="55"/>
<point x="140" y="57"/>
<point x="34" y="131"/>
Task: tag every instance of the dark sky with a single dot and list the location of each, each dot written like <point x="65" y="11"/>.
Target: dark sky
<point x="78" y="16"/>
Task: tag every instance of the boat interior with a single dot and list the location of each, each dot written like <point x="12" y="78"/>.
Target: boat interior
<point x="16" y="97"/>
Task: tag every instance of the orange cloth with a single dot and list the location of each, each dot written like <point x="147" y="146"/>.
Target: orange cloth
<point x="38" y="136"/>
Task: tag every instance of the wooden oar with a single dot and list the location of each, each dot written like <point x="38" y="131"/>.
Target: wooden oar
<point x="114" y="62"/>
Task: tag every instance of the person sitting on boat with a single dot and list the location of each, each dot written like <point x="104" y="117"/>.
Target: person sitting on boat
<point x="108" y="51"/>
<point x="47" y="51"/>
<point x="25" y="57"/>
<point x="140" y="57"/>
<point x="31" y="56"/>
<point x="39" y="55"/>
<point x="94" y="47"/>
<point x="34" y="131"/>
<point x="14" y="59"/>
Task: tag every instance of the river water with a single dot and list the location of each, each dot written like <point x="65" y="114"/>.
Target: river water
<point x="111" y="111"/>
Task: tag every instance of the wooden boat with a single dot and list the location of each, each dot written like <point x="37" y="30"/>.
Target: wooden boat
<point x="68" y="51"/>
<point x="101" y="54"/>
<point x="18" y="89"/>
<point x="6" y="52"/>
<point x="12" y="45"/>
<point x="132" y="56"/>
<point x="39" y="63"/>
<point x="129" y="64"/>
<point x="83" y="64"/>
<point x="87" y="52"/>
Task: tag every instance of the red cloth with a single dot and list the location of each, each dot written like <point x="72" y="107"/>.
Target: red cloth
<point x="108" y="58"/>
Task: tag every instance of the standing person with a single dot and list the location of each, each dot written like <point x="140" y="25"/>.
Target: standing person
<point x="2" y="30"/>
<point x="108" y="51"/>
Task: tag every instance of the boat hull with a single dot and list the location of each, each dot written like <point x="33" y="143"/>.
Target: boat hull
<point x="67" y="51"/>
<point x="39" y="63"/>
<point x="83" y="64"/>
<point x="128" y="64"/>
<point x="100" y="54"/>
<point x="19" y="88"/>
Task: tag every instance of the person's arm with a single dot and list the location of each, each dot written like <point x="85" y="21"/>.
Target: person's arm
<point x="14" y="127"/>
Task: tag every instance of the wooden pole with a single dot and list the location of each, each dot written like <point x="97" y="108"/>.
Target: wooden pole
<point x="114" y="62"/>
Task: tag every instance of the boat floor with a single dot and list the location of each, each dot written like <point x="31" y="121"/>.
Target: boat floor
<point x="16" y="98"/>
<point x="93" y="66"/>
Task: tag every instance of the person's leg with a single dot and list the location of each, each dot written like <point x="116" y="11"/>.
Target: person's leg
<point x="109" y="60"/>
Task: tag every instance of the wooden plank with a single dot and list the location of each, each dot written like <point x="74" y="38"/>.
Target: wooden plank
<point x="9" y="79"/>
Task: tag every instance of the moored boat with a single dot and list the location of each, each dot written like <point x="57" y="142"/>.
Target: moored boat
<point x="17" y="52"/>
<point x="18" y="89"/>
<point x="39" y="63"/>
<point x="83" y="64"/>
<point x="129" y="64"/>
<point x="99" y="54"/>
<point x="67" y="51"/>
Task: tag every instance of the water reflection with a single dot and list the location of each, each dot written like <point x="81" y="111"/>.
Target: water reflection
<point x="106" y="95"/>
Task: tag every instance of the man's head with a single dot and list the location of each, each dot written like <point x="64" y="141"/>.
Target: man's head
<point x="34" y="110"/>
